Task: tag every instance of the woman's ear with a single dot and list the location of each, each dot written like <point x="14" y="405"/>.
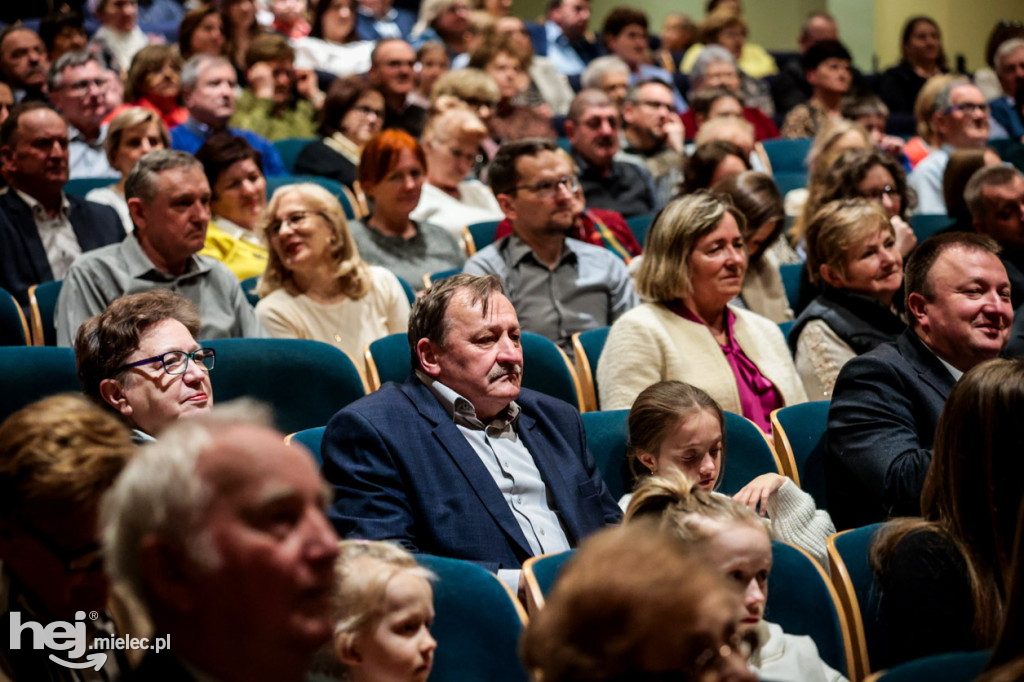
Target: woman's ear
<point x="831" y="276"/>
<point x="648" y="460"/>
<point x="112" y="391"/>
<point x="345" y="647"/>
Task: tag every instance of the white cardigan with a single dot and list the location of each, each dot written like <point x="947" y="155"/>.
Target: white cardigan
<point x="650" y="343"/>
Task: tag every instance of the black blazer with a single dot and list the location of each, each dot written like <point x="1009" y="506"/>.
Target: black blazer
<point x="22" y="256"/>
<point x="881" y="426"/>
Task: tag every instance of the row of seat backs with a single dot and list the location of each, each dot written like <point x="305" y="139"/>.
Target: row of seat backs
<point x="38" y="329"/>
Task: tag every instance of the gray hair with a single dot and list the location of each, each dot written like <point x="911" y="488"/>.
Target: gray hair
<point x="193" y="67"/>
<point x="594" y="75"/>
<point x="1005" y="48"/>
<point x="990" y="176"/>
<point x="944" y="99"/>
<point x="55" y="76"/>
<point x="159" y="493"/>
<point x="141" y="180"/>
<point x="708" y="56"/>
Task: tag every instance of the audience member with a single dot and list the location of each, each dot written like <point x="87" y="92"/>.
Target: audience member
<point x="201" y="32"/>
<point x="240" y="28"/>
<point x="547" y="84"/>
<point x="736" y="131"/>
<point x="131" y="135"/>
<point x="790" y="86"/>
<point x="23" y="63"/>
<point x="42" y="229"/>
<point x="316" y="286"/>
<point x="886" y="403"/>
<point x="379" y="19"/>
<point x="610" y="75"/>
<point x="133" y="358"/>
<point x="827" y="65"/>
<point x="290" y="18"/>
<point x="927" y="138"/>
<point x="557" y="286"/>
<point x="870" y="111"/>
<point x="709" y="164"/>
<point x="944" y="577"/>
<point x="218" y="530"/>
<point x="1009" y="63"/>
<point x="463" y="404"/>
<point x="76" y="84"/>
<point x="333" y="44"/>
<point x="995" y="198"/>
<point x="678" y="33"/>
<point x="432" y="62"/>
<point x="60" y="455"/>
<point x="961" y="121"/>
<point x="922" y="58"/>
<point x="154" y="82"/>
<point x="986" y="77"/>
<point x="504" y="62"/>
<point x="168" y="196"/>
<point x="735" y="542"/>
<point x="119" y="31"/>
<point x="391" y="72"/>
<point x="624" y="33"/>
<point x="593" y="130"/>
<point x="392" y="172"/>
<point x="1007" y="661"/>
<point x="6" y="102"/>
<point x="653" y="136"/>
<point x="725" y="26"/>
<point x="636" y="604"/>
<point x="964" y="163"/>
<point x="238" y="197"/>
<point x="444" y="20"/>
<point x="693" y="266"/>
<point x="472" y="89"/>
<point x="63" y="31"/>
<point x="565" y="40"/>
<point x="276" y="104"/>
<point x="451" y="147"/>
<point x="715" y="71"/>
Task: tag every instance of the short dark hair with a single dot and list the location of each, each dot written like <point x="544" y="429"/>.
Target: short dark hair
<point x="821" y="51"/>
<point x="702" y="100"/>
<point x="633" y="94"/>
<point x="922" y="260"/>
<point x="105" y="341"/>
<point x="223" y="150"/>
<point x="429" y="318"/>
<point x="268" y="47"/>
<point x="989" y="176"/>
<point x="342" y="95"/>
<point x="502" y="174"/>
<point x="141" y="180"/>
<point x="619" y="18"/>
<point x="9" y="129"/>
<point x="53" y="23"/>
<point x="699" y="167"/>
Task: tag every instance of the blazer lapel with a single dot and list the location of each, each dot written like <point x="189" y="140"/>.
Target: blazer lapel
<point x="468" y="462"/>
<point x="25" y="226"/>
<point x="928" y="366"/>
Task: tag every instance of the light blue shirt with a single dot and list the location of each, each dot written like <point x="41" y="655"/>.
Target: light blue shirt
<point x="88" y="159"/>
<point x="561" y="53"/>
<point x="926" y="179"/>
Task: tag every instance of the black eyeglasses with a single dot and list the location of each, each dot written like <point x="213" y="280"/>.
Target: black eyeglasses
<point x="968" y="108"/>
<point x="176" y="361"/>
<point x="549" y="188"/>
<point x="877" y="194"/>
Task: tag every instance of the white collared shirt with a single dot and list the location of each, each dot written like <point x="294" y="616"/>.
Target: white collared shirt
<point x="59" y="239"/>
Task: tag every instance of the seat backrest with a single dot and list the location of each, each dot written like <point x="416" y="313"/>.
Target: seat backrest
<point x="33" y="372"/>
<point x="640" y="226"/>
<point x="311" y="438"/>
<point x="431" y="277"/>
<point x="387" y="359"/>
<point x="929" y="224"/>
<point x="607" y="436"/>
<point x="249" y="289"/>
<point x="305" y="382"/>
<point x="791" y="274"/>
<point x="787" y="181"/>
<point x="333" y="186"/>
<point x="799" y="432"/>
<point x="79" y="187"/>
<point x="958" y="667"/>
<point x="858" y="592"/>
<point x="546" y="368"/>
<point x="539" y="574"/>
<point x="786" y="327"/>
<point x="13" y="326"/>
<point x="787" y="155"/>
<point x="42" y="301"/>
<point x="477" y="624"/>
<point x="483" y="233"/>
<point x="289" y="150"/>
<point x="747" y="454"/>
<point x="802" y="600"/>
<point x="587" y="347"/>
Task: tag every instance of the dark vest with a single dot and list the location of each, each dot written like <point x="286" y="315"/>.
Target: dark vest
<point x="860" y="321"/>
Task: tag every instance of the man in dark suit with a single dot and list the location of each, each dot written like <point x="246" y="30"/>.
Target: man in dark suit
<point x="378" y="19"/>
<point x="995" y="198"/>
<point x="42" y="229"/>
<point x="886" y="403"/>
<point x="458" y="461"/>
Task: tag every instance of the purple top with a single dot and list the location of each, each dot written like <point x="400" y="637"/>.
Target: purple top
<point x="758" y="395"/>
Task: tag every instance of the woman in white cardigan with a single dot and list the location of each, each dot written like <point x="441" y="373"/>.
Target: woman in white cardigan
<point x="693" y="265"/>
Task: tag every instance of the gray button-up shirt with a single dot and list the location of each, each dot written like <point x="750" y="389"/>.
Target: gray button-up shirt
<point x="588" y="288"/>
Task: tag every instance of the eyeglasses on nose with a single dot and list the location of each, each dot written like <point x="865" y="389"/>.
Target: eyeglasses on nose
<point x="546" y="189"/>
<point x="460" y="155"/>
<point x="176" y="361"/>
<point x="969" y="108"/>
<point x="295" y="220"/>
<point x="81" y="87"/>
<point x="877" y="194"/>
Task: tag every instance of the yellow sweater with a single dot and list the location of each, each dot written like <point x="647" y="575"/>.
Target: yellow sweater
<point x="242" y="257"/>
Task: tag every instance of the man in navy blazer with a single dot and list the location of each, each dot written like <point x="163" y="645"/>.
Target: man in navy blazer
<point x="458" y="461"/>
<point x="377" y="19"/>
<point x="42" y="229"/>
<point x="886" y="403"/>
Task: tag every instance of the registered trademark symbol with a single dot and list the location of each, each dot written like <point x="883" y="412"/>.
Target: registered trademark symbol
<point x="94" y="615"/>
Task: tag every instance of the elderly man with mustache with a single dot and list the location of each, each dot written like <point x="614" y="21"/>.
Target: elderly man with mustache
<point x="459" y="461"/>
<point x="593" y="129"/>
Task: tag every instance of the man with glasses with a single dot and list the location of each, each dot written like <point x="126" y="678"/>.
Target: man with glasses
<point x="42" y="229"/>
<point x="61" y="455"/>
<point x="558" y="286"/>
<point x="169" y="199"/>
<point x="140" y="358"/>
<point x="593" y="129"/>
<point x="995" y="197"/>
<point x="391" y="72"/>
<point x="78" y="89"/>
<point x="961" y="121"/>
<point x="653" y="136"/>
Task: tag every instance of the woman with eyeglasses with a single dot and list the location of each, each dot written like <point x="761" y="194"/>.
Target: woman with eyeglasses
<point x="451" y="145"/>
<point x="316" y="286"/>
<point x="392" y="170"/>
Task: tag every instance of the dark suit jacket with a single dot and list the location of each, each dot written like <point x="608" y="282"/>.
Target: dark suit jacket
<point x="403" y="471"/>
<point x="366" y="30"/>
<point x="881" y="426"/>
<point x="22" y="256"/>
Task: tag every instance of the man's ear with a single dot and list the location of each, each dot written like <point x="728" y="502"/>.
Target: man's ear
<point x="570" y="129"/>
<point x="346" y="647"/>
<point x="940" y="123"/>
<point x="628" y="110"/>
<point x="7" y="157"/>
<point x="831" y="276"/>
<point x="168" y="572"/>
<point x="428" y="353"/>
<point x="112" y="391"/>
<point x="917" y="307"/>
<point x="508" y="207"/>
<point x="135" y="209"/>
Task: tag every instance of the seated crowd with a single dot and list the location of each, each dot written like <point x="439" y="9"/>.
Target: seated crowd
<point x="313" y="170"/>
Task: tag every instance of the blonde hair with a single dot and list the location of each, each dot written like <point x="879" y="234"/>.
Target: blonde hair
<point x="657" y="410"/>
<point x="454" y="124"/>
<point x="924" y="105"/>
<point x="838" y="226"/>
<point x="726" y="128"/>
<point x="129" y="118"/>
<point x="351" y="270"/>
<point x="665" y="270"/>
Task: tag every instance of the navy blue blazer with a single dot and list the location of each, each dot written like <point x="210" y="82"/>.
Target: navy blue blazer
<point x="402" y="471"/>
<point x="365" y="25"/>
<point x="23" y="259"/>
<point x="881" y="425"/>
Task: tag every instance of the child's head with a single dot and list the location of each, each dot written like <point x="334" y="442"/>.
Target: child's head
<point x="384" y="610"/>
<point x="673" y="425"/>
<point x="732" y="536"/>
